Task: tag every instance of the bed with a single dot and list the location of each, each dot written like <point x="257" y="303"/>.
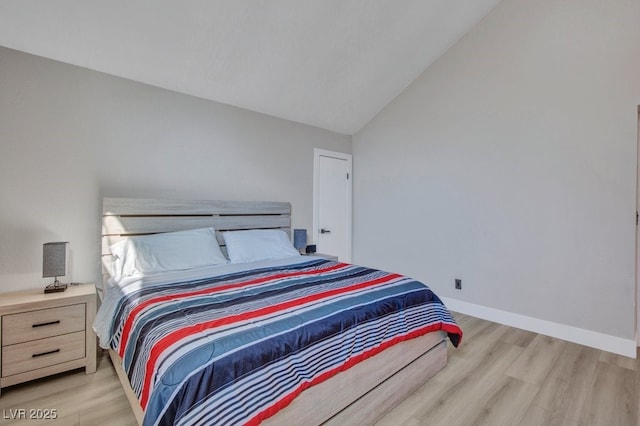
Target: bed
<point x="344" y="343"/>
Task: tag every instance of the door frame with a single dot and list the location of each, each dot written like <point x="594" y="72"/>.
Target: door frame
<point x="637" y="269"/>
<point x="317" y="153"/>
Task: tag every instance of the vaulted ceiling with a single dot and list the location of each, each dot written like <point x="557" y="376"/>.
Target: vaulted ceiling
<point x="333" y="64"/>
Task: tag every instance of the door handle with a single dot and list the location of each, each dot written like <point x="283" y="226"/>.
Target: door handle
<point x="325" y="231"/>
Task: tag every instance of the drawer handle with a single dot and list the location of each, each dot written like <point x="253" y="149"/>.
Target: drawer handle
<point x="45" y="353"/>
<point x="42" y="324"/>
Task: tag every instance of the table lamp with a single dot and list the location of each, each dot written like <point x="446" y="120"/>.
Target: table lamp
<point x="300" y="239"/>
<point x="54" y="262"/>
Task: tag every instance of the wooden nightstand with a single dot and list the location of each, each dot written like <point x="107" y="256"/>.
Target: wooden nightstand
<point x="324" y="256"/>
<point x="43" y="334"/>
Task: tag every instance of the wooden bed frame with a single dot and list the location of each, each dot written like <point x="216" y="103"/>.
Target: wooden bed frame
<point x="360" y="395"/>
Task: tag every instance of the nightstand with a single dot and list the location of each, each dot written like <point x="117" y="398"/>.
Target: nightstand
<point x="44" y="334"/>
<point x="324" y="256"/>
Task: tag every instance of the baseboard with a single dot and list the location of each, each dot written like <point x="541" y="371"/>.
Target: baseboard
<point x="605" y="342"/>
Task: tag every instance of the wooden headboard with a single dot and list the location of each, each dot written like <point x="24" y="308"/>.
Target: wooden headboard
<point x="123" y="217"/>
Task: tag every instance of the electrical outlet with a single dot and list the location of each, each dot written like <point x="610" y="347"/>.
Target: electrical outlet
<point x="458" y="284"/>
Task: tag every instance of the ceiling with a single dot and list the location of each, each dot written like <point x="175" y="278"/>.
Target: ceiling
<point x="333" y="64"/>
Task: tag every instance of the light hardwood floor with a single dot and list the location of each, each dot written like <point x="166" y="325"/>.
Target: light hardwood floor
<point x="498" y="376"/>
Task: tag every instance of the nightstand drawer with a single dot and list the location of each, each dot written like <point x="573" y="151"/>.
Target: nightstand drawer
<point x="33" y="325"/>
<point x="42" y="353"/>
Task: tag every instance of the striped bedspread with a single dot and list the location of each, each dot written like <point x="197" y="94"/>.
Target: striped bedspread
<point x="236" y="347"/>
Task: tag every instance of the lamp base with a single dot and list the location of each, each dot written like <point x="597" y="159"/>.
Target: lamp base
<point x="55" y="288"/>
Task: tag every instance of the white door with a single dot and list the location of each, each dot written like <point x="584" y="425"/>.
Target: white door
<point x="332" y="204"/>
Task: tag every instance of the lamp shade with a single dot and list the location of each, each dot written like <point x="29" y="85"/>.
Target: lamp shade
<point x="300" y="238"/>
<point x="54" y="259"/>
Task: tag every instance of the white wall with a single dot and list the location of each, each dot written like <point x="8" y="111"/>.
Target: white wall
<point x="511" y="164"/>
<point x="70" y="136"/>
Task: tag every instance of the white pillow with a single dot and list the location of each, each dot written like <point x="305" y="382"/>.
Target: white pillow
<point x="167" y="252"/>
<point x="258" y="244"/>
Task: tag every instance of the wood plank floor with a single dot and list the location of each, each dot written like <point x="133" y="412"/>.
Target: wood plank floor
<point x="498" y="376"/>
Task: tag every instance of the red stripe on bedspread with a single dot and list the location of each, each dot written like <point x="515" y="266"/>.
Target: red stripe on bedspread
<point x="128" y="325"/>
<point x="177" y="335"/>
<point x="287" y="399"/>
